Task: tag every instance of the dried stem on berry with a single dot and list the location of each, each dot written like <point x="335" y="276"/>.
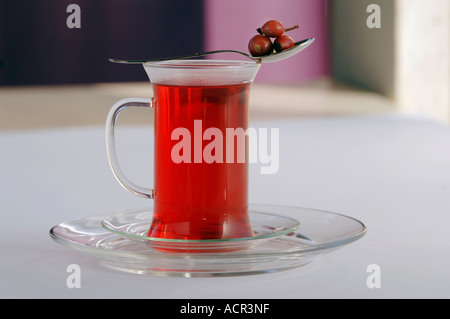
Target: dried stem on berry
<point x="291" y="28"/>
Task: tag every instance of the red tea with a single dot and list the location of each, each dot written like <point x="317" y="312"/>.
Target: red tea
<point x="197" y="199"/>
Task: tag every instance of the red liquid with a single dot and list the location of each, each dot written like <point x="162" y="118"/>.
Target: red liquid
<point x="199" y="200"/>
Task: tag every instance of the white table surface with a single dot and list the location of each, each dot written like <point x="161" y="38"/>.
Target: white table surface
<point x="392" y="173"/>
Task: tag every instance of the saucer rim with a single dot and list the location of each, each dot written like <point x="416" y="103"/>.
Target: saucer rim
<point x="204" y="241"/>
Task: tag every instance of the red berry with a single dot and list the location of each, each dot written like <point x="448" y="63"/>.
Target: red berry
<point x="272" y="28"/>
<point x="283" y="42"/>
<point x="260" y="45"/>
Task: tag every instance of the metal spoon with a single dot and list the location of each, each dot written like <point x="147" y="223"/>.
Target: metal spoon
<point x="299" y="46"/>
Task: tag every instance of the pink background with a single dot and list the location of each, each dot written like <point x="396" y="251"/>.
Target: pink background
<point x="229" y="24"/>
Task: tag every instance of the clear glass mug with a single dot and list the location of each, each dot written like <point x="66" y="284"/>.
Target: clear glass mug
<point x="201" y="151"/>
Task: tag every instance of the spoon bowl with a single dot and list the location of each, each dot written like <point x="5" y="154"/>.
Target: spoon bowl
<point x="274" y="57"/>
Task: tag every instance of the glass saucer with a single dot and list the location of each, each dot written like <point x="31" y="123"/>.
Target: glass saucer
<point x="320" y="232"/>
<point x="265" y="225"/>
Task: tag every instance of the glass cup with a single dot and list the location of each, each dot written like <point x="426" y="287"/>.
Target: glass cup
<point x="201" y="148"/>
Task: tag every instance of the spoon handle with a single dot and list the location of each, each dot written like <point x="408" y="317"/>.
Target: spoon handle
<point x="271" y="57"/>
<point x="179" y="57"/>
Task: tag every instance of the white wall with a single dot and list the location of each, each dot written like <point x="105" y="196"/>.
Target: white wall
<point x="423" y="57"/>
<point x="407" y="59"/>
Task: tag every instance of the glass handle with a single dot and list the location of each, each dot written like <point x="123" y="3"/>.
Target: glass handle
<point x="111" y="146"/>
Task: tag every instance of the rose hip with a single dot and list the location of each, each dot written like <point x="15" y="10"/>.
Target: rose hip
<point x="283" y="42"/>
<point x="260" y="45"/>
<point x="274" y="28"/>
